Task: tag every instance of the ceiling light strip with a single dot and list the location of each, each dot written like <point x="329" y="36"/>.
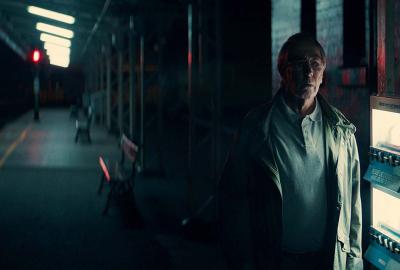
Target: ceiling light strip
<point x="59" y="64"/>
<point x="44" y="27"/>
<point x="59" y="50"/>
<point x="49" y="45"/>
<point x="57" y="59"/>
<point x="55" y="40"/>
<point x="51" y="14"/>
<point x="53" y="59"/>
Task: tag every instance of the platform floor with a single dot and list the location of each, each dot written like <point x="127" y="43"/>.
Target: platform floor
<point x="50" y="211"/>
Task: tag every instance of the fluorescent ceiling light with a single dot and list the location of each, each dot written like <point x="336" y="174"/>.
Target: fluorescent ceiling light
<point x="48" y="45"/>
<point x="51" y="48"/>
<point x="54" y="30"/>
<point x="59" y="64"/>
<point x="55" y="40"/>
<point x="60" y="52"/>
<point x="51" y="14"/>
<point x="59" y="58"/>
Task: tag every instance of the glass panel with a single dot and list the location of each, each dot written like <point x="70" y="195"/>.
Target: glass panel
<point x="386" y="130"/>
<point x="386" y="213"/>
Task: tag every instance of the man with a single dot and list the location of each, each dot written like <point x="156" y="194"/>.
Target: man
<point x="289" y="195"/>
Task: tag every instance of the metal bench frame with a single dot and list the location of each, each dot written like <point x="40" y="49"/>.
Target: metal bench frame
<point x="114" y="173"/>
<point x="84" y="126"/>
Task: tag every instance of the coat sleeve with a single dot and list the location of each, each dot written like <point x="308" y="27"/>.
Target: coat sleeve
<point x="354" y="258"/>
<point x="233" y="208"/>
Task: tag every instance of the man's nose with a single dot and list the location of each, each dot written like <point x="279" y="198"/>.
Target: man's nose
<point x="307" y="69"/>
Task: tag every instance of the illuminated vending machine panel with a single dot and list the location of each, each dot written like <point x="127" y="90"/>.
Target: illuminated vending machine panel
<point x="384" y="175"/>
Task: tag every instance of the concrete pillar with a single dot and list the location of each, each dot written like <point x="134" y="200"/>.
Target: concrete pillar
<point x="101" y="83"/>
<point x="132" y="78"/>
<point x="120" y="82"/>
<point x="108" y="86"/>
<point x="120" y="93"/>
<point x="160" y="125"/>
<point x="141" y="139"/>
<point x="189" y="185"/>
<point x="217" y="92"/>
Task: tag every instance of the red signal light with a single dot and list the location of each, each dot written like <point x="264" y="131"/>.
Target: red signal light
<point x="36" y="56"/>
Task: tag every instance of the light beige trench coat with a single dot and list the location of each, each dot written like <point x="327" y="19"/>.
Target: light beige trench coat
<point x="249" y="196"/>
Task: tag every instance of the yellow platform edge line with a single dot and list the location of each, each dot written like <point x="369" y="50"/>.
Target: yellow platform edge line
<point x="14" y="145"/>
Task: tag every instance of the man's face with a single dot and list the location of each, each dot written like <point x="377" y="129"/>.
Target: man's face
<point x="304" y="72"/>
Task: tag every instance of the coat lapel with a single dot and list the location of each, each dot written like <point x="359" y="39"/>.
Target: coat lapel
<point x="261" y="151"/>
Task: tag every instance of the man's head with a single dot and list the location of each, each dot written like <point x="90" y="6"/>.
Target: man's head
<point x="301" y="63"/>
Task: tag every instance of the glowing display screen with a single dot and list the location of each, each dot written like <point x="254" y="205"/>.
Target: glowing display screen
<point x="386" y="213"/>
<point x="386" y="130"/>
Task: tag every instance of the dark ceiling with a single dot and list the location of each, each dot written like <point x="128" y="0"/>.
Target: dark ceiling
<point x="95" y="19"/>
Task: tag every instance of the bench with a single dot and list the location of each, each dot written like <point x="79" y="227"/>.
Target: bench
<point x="116" y="175"/>
<point x="83" y="126"/>
<point x="74" y="111"/>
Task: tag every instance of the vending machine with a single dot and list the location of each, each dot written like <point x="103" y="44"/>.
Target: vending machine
<point x="384" y="176"/>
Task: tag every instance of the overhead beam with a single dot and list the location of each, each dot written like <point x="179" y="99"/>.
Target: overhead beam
<point x="96" y="26"/>
<point x="12" y="44"/>
<point x="7" y="35"/>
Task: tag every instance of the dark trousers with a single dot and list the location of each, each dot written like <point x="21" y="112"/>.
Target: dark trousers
<point x="299" y="261"/>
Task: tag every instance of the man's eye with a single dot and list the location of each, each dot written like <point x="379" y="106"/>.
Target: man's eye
<point x="316" y="64"/>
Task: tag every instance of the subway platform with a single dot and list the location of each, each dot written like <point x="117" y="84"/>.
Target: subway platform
<point x="51" y="214"/>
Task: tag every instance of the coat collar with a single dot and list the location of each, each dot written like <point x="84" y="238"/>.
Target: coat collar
<point x="335" y="118"/>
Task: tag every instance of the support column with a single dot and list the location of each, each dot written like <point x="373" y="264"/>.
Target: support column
<point x="120" y="83"/>
<point x="200" y="44"/>
<point x="160" y="119"/>
<point x="108" y="86"/>
<point x="92" y="76"/>
<point x="132" y="78"/>
<point x="217" y="92"/>
<point x="86" y="96"/>
<point x="36" y="89"/>
<point x="189" y="190"/>
<point x="142" y="102"/>
<point x="96" y="71"/>
<point x="101" y="83"/>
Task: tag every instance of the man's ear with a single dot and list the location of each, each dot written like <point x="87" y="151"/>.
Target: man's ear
<point x="287" y="74"/>
<point x="323" y="80"/>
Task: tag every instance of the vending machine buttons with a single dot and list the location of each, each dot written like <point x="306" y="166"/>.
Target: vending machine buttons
<point x="385" y="241"/>
<point x="383" y="156"/>
<point x="380" y="157"/>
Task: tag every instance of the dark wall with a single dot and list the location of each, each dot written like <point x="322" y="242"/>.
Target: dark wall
<point x="247" y="52"/>
<point x="15" y="84"/>
<point x="397" y="46"/>
<point x="245" y="35"/>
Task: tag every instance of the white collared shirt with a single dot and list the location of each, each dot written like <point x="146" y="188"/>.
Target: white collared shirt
<point x="298" y="145"/>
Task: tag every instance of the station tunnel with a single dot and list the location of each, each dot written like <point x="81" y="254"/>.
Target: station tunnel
<point x="117" y="118"/>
